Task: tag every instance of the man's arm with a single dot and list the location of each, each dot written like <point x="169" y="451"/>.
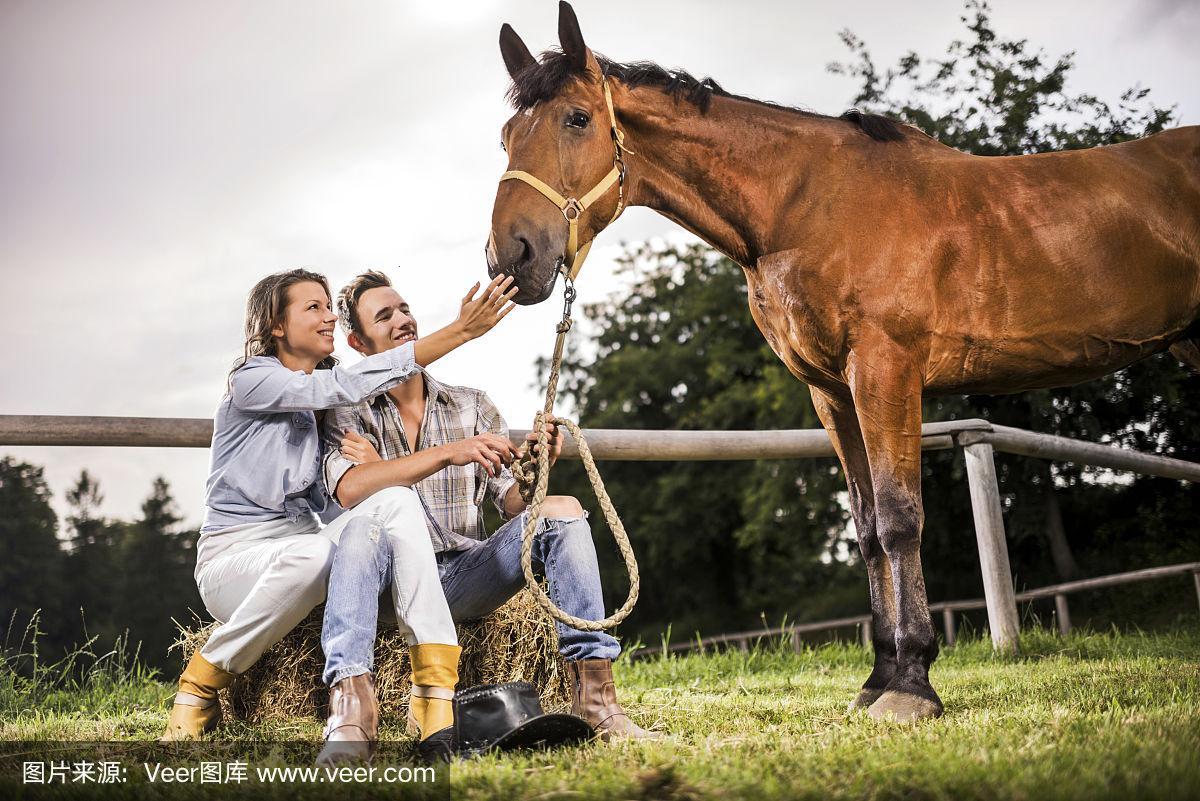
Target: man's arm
<point x="350" y="481"/>
<point x="513" y="504"/>
<point x="502" y="486"/>
<point x="364" y="480"/>
<point x="349" y="477"/>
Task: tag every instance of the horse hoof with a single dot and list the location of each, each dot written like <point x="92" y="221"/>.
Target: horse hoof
<point x="899" y="707"/>
<point x="865" y="699"/>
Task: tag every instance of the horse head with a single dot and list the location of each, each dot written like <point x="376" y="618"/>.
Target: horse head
<point x="563" y="137"/>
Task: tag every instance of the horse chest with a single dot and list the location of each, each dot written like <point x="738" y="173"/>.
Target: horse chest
<point x="798" y="325"/>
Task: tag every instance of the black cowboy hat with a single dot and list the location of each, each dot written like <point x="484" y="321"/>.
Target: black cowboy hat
<point x="506" y="716"/>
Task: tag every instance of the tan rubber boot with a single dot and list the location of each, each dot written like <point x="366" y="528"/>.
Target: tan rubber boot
<point x="594" y="698"/>
<point x="196" y="709"/>
<point x="352" y="732"/>
<point x="431" y="704"/>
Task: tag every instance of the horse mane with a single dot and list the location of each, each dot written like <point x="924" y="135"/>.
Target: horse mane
<point x="543" y="81"/>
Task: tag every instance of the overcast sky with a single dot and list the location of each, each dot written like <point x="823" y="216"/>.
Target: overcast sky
<point x="157" y="158"/>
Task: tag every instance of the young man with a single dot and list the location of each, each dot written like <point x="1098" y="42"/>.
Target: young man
<point x="451" y="445"/>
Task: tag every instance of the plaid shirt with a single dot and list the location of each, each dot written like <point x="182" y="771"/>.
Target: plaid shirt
<point x="452" y="497"/>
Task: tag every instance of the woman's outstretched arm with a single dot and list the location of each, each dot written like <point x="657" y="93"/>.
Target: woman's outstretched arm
<point x="265" y="385"/>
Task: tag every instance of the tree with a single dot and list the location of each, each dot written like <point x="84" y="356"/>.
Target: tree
<point x="997" y="97"/>
<point x="92" y="563"/>
<point x="157" y="561"/>
<point x="128" y="577"/>
<point x="30" y="559"/>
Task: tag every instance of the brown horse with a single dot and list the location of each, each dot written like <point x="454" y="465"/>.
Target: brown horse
<point x="882" y="267"/>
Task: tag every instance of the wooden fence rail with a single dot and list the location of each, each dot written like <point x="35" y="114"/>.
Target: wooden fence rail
<point x="978" y="439"/>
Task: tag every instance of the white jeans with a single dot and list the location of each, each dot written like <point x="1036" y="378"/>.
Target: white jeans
<point x="261" y="586"/>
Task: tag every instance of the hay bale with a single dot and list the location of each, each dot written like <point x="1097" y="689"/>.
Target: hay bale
<point x="516" y="642"/>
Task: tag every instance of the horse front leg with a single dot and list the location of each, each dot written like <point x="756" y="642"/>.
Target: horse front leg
<point x="886" y="388"/>
<point x="836" y="410"/>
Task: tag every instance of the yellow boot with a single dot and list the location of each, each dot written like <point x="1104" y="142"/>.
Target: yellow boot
<point x="431" y="704"/>
<point x="196" y="709"/>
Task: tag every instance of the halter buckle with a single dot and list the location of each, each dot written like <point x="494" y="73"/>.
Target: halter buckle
<point x="572" y="210"/>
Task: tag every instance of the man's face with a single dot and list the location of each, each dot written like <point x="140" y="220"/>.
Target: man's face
<point x="385" y="319"/>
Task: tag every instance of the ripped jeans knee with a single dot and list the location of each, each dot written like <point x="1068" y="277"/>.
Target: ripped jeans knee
<point x="562" y="524"/>
<point x="562" y="507"/>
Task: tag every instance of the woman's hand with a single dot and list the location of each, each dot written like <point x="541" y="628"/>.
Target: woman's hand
<point x="359" y="449"/>
<point x="479" y="315"/>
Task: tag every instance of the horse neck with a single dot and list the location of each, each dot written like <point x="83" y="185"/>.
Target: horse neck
<point x="723" y="174"/>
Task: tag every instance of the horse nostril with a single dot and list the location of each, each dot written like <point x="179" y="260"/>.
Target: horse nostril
<point x="526" y="256"/>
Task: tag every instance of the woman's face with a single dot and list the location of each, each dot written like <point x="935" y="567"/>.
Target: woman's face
<point x="308" y="321"/>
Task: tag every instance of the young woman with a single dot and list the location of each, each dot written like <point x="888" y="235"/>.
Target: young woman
<point x="263" y="559"/>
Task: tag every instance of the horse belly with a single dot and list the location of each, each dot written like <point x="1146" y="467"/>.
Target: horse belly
<point x="1052" y="339"/>
<point x="1054" y="334"/>
<point x="1068" y="289"/>
<point x="1010" y="368"/>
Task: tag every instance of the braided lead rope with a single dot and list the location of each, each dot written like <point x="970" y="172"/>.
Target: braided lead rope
<point x="533" y="477"/>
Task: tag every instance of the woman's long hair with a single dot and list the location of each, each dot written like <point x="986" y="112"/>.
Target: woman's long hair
<point x="265" y="309"/>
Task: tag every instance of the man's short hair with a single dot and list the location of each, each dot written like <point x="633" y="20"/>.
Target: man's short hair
<point x="347" y="299"/>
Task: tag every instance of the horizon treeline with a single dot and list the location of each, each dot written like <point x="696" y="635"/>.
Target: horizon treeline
<point x="91" y="576"/>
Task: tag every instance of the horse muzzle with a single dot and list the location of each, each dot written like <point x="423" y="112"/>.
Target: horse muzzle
<point x="523" y="258"/>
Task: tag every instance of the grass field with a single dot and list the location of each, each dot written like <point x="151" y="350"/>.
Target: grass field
<point x="1092" y="716"/>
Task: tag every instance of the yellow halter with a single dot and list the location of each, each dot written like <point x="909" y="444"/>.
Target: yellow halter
<point x="572" y="209"/>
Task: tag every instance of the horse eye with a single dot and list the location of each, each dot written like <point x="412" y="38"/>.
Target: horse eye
<point x="578" y="119"/>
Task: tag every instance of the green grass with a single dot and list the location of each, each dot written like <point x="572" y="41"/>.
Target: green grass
<point x="1106" y="715"/>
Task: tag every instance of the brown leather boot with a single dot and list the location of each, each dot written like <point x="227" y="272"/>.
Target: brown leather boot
<point x="352" y="732"/>
<point x="594" y="698"/>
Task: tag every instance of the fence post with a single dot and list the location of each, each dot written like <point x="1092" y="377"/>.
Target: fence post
<point x="1196" y="577"/>
<point x="866" y="634"/>
<point x="948" y="625"/>
<point x="1063" y="614"/>
<point x="993" y="550"/>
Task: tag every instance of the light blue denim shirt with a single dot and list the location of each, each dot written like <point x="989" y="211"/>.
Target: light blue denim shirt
<point x="266" y="449"/>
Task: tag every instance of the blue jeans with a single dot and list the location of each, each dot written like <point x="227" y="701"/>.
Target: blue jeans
<point x="476" y="582"/>
<point x="362" y="569"/>
<point x="479" y="580"/>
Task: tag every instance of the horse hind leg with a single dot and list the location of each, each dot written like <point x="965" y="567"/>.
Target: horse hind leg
<point x="1188" y="352"/>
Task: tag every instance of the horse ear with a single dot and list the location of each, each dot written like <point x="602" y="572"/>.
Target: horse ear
<point x="571" y="38"/>
<point x="516" y="55"/>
